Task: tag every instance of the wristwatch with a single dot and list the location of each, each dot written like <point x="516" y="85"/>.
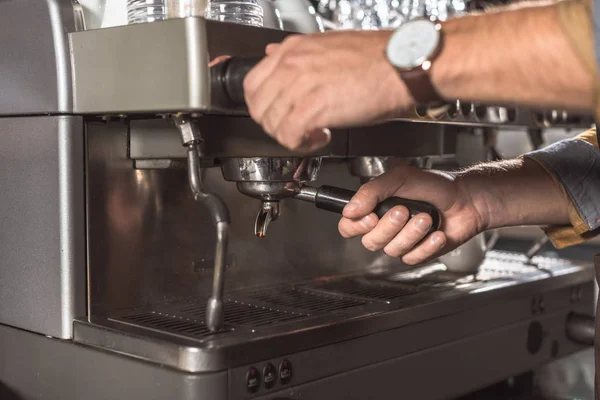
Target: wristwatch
<point x="411" y="49"/>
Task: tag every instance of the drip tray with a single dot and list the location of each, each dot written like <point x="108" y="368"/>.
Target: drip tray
<point x="311" y="313"/>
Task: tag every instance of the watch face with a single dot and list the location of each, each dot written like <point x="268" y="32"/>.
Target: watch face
<point x="413" y="43"/>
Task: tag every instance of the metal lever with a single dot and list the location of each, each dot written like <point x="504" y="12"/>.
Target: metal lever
<point x="535" y="249"/>
<point x="581" y="329"/>
<point x="334" y="199"/>
<point x="191" y="138"/>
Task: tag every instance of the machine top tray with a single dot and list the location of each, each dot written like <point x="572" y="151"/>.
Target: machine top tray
<point x="286" y="318"/>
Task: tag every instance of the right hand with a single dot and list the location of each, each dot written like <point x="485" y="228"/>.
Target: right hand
<point x="400" y="237"/>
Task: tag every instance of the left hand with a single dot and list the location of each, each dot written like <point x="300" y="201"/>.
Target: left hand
<point x="309" y="83"/>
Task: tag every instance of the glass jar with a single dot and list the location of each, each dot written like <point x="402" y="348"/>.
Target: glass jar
<point x="140" y="11"/>
<point x="247" y="12"/>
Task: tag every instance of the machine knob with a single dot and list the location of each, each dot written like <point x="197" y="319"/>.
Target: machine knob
<point x="581" y="329"/>
<point x="230" y="75"/>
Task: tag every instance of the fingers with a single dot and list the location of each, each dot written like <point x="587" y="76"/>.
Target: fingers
<point x="272" y="48"/>
<point x="268" y="109"/>
<point x="414" y="231"/>
<point x="351" y="228"/>
<point x="371" y="193"/>
<point x="302" y="119"/>
<point x="429" y="248"/>
<point x="388" y="227"/>
<point x="315" y="140"/>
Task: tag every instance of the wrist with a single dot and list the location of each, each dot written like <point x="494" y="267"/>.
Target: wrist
<point x="450" y="71"/>
<point x="476" y="198"/>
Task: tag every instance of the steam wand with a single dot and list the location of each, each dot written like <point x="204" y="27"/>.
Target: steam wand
<point x="192" y="139"/>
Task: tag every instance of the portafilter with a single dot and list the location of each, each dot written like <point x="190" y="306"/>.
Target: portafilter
<point x="271" y="179"/>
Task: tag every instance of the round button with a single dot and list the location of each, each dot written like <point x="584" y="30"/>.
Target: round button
<point x="269" y="375"/>
<point x="253" y="380"/>
<point x="285" y="372"/>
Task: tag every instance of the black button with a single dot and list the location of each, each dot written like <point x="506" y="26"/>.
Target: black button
<point x="253" y="380"/>
<point x="269" y="375"/>
<point x="285" y="372"/>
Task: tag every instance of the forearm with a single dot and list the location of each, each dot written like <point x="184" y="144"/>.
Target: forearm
<point x="515" y="56"/>
<point x="514" y="192"/>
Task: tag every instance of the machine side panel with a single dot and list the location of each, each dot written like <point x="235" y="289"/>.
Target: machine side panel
<point x="35" y="62"/>
<point x="443" y="372"/>
<point x="66" y="371"/>
<point x="42" y="240"/>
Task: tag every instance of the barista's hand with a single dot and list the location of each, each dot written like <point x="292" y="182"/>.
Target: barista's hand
<point x="400" y="237"/>
<point x="329" y="80"/>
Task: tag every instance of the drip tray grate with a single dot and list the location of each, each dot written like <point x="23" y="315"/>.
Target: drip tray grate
<point x="307" y="301"/>
<point x="169" y="324"/>
<point x="241" y="314"/>
<point x="364" y="289"/>
<point x="187" y="318"/>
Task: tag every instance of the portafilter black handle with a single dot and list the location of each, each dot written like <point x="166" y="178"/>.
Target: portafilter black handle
<point x="334" y="199"/>
<point x="230" y="74"/>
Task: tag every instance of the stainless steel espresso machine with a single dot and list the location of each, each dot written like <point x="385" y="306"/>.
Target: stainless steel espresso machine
<point x="153" y="245"/>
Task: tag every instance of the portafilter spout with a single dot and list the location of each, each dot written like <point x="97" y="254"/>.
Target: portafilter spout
<point x="270" y="179"/>
<point x="191" y="138"/>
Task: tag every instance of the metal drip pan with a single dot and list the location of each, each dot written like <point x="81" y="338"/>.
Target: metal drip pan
<point x="271" y="321"/>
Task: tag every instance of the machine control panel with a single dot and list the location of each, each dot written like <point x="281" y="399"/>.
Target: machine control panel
<point x="253" y="380"/>
<point x="271" y="376"/>
<point x="285" y="372"/>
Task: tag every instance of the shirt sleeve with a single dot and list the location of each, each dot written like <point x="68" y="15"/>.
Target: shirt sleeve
<point x="574" y="165"/>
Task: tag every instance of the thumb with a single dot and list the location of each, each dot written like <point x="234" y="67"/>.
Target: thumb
<point x="372" y="193"/>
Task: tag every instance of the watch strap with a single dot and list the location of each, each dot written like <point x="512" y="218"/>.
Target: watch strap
<point x="420" y="87"/>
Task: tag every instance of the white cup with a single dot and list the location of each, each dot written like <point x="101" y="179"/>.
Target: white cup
<point x="468" y="257"/>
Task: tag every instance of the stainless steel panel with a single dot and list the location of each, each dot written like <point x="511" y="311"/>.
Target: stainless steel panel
<point x="35" y="62"/>
<point x="403" y="139"/>
<point x="158" y="67"/>
<point x="441" y="373"/>
<point x="151" y="242"/>
<point x="34" y="367"/>
<point x="241" y="137"/>
<point x="223" y="137"/>
<point x="266" y="322"/>
<point x="42" y="240"/>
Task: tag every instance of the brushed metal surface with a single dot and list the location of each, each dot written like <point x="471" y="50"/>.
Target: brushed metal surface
<point x="150" y="242"/>
<point x="35" y="62"/>
<point x="272" y="320"/>
<point x="223" y="137"/>
<point x="35" y="367"/>
<point x="42" y="256"/>
<point x="157" y="67"/>
<point x="226" y="137"/>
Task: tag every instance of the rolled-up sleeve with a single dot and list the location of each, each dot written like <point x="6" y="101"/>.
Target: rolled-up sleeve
<point x="574" y="165"/>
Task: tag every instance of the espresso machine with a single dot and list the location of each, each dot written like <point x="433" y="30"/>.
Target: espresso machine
<point x="157" y="244"/>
